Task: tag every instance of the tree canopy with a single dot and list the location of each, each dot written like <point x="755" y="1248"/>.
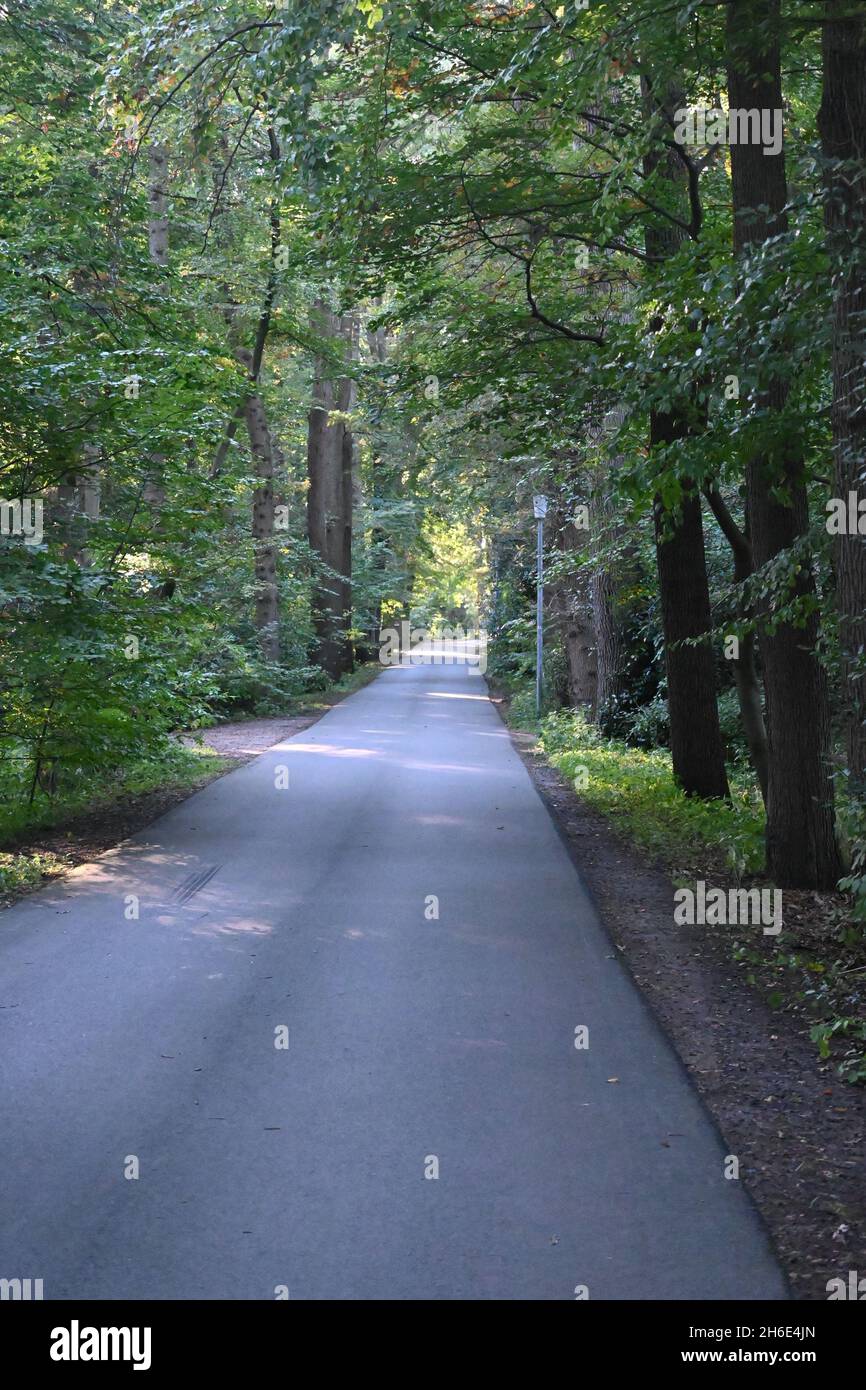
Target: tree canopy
<point x="303" y="302"/>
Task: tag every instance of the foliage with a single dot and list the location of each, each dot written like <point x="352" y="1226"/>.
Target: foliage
<point x="635" y="788"/>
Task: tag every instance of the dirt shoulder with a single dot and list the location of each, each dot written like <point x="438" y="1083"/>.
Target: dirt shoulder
<point x="799" y="1133"/>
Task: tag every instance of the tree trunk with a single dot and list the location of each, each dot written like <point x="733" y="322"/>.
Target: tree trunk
<point x="349" y="487"/>
<point x="610" y="576"/>
<point x="572" y="612"/>
<point x="329" y="499"/>
<point x="745" y="664"/>
<point x="842" y="122"/>
<point x="377" y="346"/>
<point x="266" y="615"/>
<point x="89" y="494"/>
<point x="801" y="842"/>
<point x="157" y="227"/>
<point x="319" y="466"/>
<point x="696" y="739"/>
<point x="267" y="602"/>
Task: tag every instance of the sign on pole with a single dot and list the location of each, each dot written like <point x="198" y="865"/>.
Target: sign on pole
<point x="539" y="507"/>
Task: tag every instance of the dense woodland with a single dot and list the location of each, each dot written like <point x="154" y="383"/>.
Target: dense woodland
<point x="304" y="301"/>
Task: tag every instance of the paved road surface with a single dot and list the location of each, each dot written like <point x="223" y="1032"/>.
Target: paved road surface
<point x="410" y="1039"/>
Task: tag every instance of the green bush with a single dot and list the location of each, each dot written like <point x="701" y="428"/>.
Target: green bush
<point x="649" y="726"/>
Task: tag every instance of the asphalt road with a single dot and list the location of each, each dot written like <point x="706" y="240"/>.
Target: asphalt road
<point x="304" y="913"/>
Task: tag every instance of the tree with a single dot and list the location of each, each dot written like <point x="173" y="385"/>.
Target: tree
<point x="801" y="842"/>
<point x="329" y="499"/>
<point x="696" y="740"/>
<point x="842" y="122"/>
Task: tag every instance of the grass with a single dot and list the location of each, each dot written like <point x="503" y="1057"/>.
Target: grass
<point x="637" y="792"/>
<point x="176" y="766"/>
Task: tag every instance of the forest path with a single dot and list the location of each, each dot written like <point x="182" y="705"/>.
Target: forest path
<point x="410" y="1038"/>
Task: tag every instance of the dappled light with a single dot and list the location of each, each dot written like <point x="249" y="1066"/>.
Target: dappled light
<point x="433" y="670"/>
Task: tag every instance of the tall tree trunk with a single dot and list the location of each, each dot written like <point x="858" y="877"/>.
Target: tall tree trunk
<point x="329" y="498"/>
<point x="267" y="611"/>
<point x="842" y="122"/>
<point x="696" y="738"/>
<point x="699" y="766"/>
<point x="157" y="227"/>
<point x="319" y="467"/>
<point x="64" y="516"/>
<point x="264" y="451"/>
<point x="74" y="504"/>
<point x="745" y="663"/>
<point x="614" y="569"/>
<point x="349" y="486"/>
<point x="377" y="346"/>
<point x="571" y="608"/>
<point x="801" y="841"/>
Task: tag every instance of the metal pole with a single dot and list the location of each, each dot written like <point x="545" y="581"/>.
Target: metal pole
<point x="539" y="617"/>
